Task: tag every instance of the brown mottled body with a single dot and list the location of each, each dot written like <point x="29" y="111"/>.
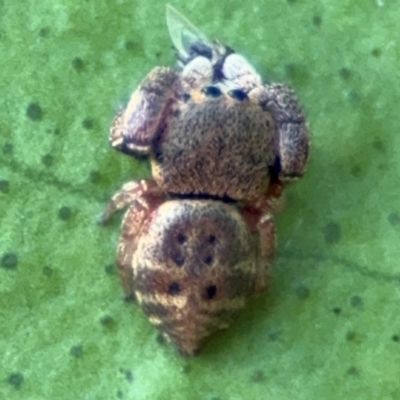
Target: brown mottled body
<point x="220" y="146"/>
<point x="191" y="264"/>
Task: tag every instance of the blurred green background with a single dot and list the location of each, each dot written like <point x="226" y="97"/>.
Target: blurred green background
<point x="329" y="327"/>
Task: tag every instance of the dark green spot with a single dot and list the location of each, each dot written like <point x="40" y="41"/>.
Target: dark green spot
<point x="120" y="394"/>
<point x="108" y="322"/>
<point x="290" y="69"/>
<point x="186" y="369"/>
<point x="76" y="351"/>
<point x="353" y="371"/>
<point x="48" y="160"/>
<point x="317" y="20"/>
<point x="110" y="269"/>
<point x="351" y="336"/>
<point x="64" y="213"/>
<point x="130" y="45"/>
<point x="379" y="145"/>
<point x="302" y="292"/>
<point x="129" y="298"/>
<point x="135" y="46"/>
<point x="337" y="310"/>
<point x="396" y="338"/>
<point x="8" y="148"/>
<point x="382" y="167"/>
<point x="44" y="32"/>
<point x="174" y="289"/>
<point x="332" y="233"/>
<point x="356" y="301"/>
<point x="356" y="171"/>
<point x="16" y="379"/>
<point x="274" y="336"/>
<point x="9" y="261"/>
<point x="87" y="123"/>
<point x="353" y="97"/>
<point x="297" y="72"/>
<point x="94" y="177"/>
<point x="78" y="64"/>
<point x="4" y="186"/>
<point x="376" y="52"/>
<point x="345" y="73"/>
<point x="55" y="131"/>
<point x="48" y="271"/>
<point x="394" y="219"/>
<point x="129" y="376"/>
<point x="34" y="112"/>
<point x="258" y="376"/>
<point x="160" y="339"/>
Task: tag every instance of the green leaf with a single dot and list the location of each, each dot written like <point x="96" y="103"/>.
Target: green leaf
<point x="328" y="328"/>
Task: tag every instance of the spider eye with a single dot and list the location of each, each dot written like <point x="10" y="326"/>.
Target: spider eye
<point x="238" y="94"/>
<point x="174" y="288"/>
<point x="212" y="91"/>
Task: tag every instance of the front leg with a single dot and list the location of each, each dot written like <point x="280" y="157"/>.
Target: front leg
<point x="141" y="198"/>
<point x="292" y="131"/>
<point x="134" y="128"/>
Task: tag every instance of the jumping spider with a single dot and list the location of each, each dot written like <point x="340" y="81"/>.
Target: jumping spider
<point x="198" y="239"/>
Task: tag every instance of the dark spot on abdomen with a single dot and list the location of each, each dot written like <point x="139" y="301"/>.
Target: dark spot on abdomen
<point x="174" y="289"/>
<point x="179" y="260"/>
<point x="211" y="292"/>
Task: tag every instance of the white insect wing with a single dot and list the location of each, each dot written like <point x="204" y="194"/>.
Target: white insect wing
<point x="183" y="33"/>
